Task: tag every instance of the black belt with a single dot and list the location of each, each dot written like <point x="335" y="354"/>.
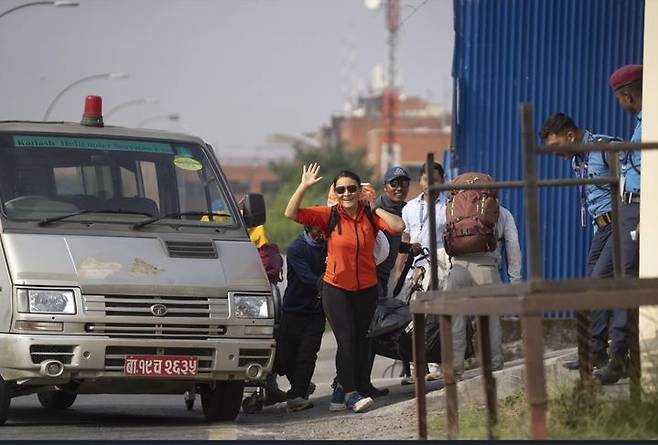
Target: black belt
<point x="603" y="220"/>
<point x="631" y="198"/>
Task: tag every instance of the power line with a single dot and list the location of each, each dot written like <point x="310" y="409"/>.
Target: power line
<point x="415" y="10"/>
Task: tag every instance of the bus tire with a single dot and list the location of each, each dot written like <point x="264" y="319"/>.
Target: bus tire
<point x="56" y="400"/>
<point x="223" y="402"/>
<point x="5" y="400"/>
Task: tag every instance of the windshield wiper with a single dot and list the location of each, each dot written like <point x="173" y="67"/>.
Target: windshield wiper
<point x="178" y="215"/>
<point x="47" y="221"/>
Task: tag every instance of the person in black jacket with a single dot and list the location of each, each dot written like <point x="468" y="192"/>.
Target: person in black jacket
<point x="302" y="320"/>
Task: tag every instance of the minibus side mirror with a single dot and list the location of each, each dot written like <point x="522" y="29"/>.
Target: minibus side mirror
<point x="252" y="207"/>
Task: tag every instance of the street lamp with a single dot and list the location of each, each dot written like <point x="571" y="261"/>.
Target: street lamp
<point x="111" y="76"/>
<point x="57" y="4"/>
<point x="129" y="103"/>
<point x="173" y="117"/>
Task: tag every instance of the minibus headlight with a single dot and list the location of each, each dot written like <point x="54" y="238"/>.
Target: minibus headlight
<point x="45" y="301"/>
<point x="250" y="306"/>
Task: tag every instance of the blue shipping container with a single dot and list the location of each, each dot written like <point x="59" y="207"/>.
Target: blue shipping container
<point x="558" y="55"/>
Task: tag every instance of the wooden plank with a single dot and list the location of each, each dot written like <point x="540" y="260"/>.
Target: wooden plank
<point x="533" y="347"/>
<point x="419" y="361"/>
<point x="585" y="299"/>
<point x="488" y="379"/>
<point x="542" y="287"/>
<point x="447" y="364"/>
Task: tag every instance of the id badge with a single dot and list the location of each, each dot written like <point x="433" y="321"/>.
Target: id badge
<point x="622" y="181"/>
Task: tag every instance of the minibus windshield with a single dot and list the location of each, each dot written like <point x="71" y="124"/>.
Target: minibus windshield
<point x="71" y="179"/>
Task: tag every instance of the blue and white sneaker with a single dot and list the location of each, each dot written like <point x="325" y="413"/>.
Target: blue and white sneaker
<point x="357" y="403"/>
<point x="337" y="399"/>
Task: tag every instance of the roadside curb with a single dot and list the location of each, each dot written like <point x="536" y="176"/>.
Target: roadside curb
<point x="509" y="381"/>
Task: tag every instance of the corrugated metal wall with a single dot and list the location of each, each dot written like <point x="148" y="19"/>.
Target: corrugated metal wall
<point x="558" y="55"/>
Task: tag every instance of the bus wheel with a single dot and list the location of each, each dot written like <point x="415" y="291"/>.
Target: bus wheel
<point x="56" y="399"/>
<point x="223" y="402"/>
<point x="5" y="399"/>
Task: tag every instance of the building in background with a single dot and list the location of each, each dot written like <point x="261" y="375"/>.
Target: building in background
<point x="423" y="127"/>
<point x="249" y="175"/>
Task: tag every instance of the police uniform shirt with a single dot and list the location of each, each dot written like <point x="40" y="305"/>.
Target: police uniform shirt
<point x="596" y="198"/>
<point x="630" y="161"/>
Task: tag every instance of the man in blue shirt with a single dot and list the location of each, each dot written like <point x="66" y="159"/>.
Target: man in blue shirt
<point x="596" y="200"/>
<point x="302" y="320"/>
<point x="626" y="82"/>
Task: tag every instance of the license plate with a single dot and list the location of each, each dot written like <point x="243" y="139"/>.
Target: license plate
<point x="161" y="365"/>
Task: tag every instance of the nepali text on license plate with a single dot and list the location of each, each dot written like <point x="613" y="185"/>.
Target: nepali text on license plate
<point x="161" y="365"/>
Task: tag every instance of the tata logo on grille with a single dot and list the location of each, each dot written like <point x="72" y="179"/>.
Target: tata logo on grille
<point x="159" y="310"/>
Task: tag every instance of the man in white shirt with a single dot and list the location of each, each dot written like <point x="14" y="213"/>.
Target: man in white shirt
<point x="508" y="239"/>
<point x="416" y="220"/>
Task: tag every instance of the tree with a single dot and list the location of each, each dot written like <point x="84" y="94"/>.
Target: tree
<point x="280" y="229"/>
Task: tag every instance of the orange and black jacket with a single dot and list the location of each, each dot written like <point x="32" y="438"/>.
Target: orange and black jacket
<point x="350" y="260"/>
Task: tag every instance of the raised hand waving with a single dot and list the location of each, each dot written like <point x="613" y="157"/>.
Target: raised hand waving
<point x="310" y="175"/>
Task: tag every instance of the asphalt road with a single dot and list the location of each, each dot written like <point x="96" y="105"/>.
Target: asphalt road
<point x="98" y="417"/>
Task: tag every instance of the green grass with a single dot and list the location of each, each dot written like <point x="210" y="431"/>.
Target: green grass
<point x="572" y="414"/>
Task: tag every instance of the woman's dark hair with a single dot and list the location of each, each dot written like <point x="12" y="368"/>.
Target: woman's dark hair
<point x="347" y="174"/>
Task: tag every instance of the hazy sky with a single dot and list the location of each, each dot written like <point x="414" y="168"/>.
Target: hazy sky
<point x="235" y="70"/>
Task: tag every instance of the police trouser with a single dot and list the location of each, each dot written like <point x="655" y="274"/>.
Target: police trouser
<point x="612" y="324"/>
<point x="474" y="270"/>
<point x="297" y="344"/>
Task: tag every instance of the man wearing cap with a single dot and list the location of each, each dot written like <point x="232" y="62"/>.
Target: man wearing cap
<point x="561" y="129"/>
<point x="396" y="189"/>
<point x="626" y="82"/>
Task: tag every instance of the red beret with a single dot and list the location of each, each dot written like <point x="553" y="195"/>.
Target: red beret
<point x="625" y="75"/>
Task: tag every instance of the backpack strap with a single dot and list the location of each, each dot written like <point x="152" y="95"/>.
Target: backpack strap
<point x="371" y="217"/>
<point x="334" y="220"/>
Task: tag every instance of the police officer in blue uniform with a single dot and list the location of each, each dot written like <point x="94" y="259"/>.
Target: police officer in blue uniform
<point x="595" y="199"/>
<point x="626" y="82"/>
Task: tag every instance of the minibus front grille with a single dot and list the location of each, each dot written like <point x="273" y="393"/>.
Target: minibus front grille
<point x="115" y="356"/>
<point x="162" y="307"/>
<point x="189" y="249"/>
<point x="156" y="330"/>
<point x="62" y="353"/>
<point x="248" y="356"/>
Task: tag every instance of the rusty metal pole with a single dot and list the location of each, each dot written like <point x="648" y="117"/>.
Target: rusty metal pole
<point x="533" y="346"/>
<point x="584" y="332"/>
<point x="431" y="213"/>
<point x="635" y="371"/>
<point x="533" y="340"/>
<point x="419" y="371"/>
<point x="447" y="364"/>
<point x="487" y="375"/>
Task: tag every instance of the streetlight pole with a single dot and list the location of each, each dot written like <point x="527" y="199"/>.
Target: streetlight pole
<point x="111" y="76"/>
<point x="57" y="4"/>
<point x="173" y="117"/>
<point x="129" y="103"/>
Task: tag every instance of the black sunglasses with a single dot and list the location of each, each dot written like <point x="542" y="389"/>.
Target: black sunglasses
<point x="395" y="183"/>
<point x="350" y="188"/>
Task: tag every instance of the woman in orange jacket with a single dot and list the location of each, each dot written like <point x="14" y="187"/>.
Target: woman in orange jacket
<point x="349" y="290"/>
